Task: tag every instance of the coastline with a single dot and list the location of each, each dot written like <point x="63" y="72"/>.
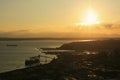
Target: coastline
<point x="76" y="66"/>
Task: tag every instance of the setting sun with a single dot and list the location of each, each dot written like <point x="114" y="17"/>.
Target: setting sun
<point x="90" y="18"/>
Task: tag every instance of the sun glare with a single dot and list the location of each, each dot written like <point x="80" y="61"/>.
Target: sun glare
<point x="90" y="18"/>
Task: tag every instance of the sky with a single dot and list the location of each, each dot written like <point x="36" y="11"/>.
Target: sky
<point x="58" y="18"/>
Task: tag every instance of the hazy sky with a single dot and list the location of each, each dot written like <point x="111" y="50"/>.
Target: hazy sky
<point x="57" y="18"/>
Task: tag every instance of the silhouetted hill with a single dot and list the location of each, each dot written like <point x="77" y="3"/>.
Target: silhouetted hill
<point x="93" y="45"/>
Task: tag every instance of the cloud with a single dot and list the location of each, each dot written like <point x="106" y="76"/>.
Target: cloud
<point x="102" y="25"/>
<point x="108" y="25"/>
<point x="14" y="33"/>
<point x="102" y="30"/>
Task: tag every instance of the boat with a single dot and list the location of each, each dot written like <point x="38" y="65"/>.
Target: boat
<point x="32" y="61"/>
<point x="14" y="45"/>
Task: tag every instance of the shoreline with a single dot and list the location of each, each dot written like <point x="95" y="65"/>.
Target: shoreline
<point x="103" y="65"/>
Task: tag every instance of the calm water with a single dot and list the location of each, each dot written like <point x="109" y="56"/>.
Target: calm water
<point x="12" y="58"/>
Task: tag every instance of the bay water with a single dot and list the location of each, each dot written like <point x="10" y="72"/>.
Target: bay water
<point x="13" y="57"/>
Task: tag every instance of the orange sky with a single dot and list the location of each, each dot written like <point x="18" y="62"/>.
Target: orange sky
<point x="58" y="18"/>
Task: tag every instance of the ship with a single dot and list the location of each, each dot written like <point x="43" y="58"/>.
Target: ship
<point x="32" y="61"/>
<point x="35" y="60"/>
<point x="13" y="45"/>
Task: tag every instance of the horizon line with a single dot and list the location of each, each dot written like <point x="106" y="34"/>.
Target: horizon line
<point x="52" y="38"/>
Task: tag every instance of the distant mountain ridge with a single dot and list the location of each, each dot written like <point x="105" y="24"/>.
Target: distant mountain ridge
<point x="52" y="38"/>
<point x="46" y="38"/>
